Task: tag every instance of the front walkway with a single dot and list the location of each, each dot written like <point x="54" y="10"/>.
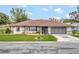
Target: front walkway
<point x="65" y="37"/>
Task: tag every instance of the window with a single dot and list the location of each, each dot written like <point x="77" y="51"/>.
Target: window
<point x="32" y="28"/>
<point x="18" y="29"/>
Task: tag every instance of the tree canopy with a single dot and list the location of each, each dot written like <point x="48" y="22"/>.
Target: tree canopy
<point x="71" y="21"/>
<point x="18" y="14"/>
<point x="4" y="19"/>
<point x="75" y="14"/>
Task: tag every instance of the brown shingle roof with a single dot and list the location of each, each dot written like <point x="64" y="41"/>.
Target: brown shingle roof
<point x="53" y="23"/>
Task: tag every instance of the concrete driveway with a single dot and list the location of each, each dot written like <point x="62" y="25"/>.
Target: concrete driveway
<point x="66" y="37"/>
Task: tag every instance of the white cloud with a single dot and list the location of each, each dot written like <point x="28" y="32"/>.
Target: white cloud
<point x="21" y="6"/>
<point x="57" y="17"/>
<point x="67" y="16"/>
<point x="58" y="10"/>
<point x="44" y="9"/>
<point x="29" y="13"/>
<point x="47" y="8"/>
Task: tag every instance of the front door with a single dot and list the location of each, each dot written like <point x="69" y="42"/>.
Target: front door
<point x="44" y="30"/>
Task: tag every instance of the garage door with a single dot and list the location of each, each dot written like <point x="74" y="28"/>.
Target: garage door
<point x="58" y="30"/>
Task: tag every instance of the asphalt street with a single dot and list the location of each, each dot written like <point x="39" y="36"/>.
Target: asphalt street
<point x="39" y="47"/>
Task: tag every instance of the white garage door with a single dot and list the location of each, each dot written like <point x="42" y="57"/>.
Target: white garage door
<point x="58" y="30"/>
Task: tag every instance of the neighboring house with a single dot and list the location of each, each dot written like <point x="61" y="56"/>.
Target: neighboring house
<point x="74" y="26"/>
<point x="41" y="26"/>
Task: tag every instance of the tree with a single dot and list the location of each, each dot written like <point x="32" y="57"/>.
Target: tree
<point x="71" y="21"/>
<point x="4" y="19"/>
<point x="8" y="31"/>
<point x="75" y="14"/>
<point x="19" y="14"/>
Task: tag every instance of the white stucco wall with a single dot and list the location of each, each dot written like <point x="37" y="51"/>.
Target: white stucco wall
<point x="26" y="30"/>
<point x="69" y="30"/>
<point x="22" y="30"/>
<point x="14" y="30"/>
<point x="49" y="30"/>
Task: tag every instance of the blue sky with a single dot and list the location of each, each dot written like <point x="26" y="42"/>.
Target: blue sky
<point x="42" y="11"/>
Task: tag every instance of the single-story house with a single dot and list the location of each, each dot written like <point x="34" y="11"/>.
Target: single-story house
<point x="42" y="26"/>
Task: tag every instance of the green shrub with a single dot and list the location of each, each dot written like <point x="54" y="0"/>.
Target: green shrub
<point x="78" y="33"/>
<point x="8" y="30"/>
<point x="38" y="32"/>
<point x="39" y="38"/>
<point x="74" y="31"/>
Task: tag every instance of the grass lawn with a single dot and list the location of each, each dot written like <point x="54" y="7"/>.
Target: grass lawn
<point x="23" y="37"/>
<point x="2" y="31"/>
